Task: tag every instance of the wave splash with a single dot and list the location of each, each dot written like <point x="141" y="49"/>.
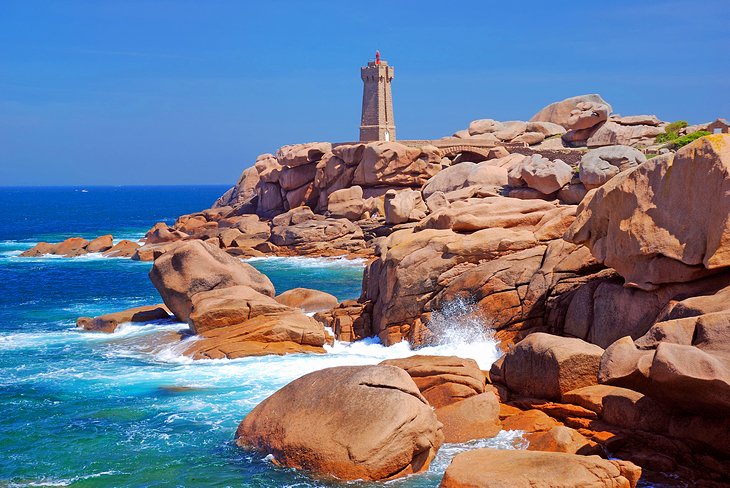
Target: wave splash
<point x="460" y="329"/>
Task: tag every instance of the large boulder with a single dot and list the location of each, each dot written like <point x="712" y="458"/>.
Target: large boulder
<point x="100" y="244"/>
<point x="541" y="174"/>
<point x="484" y="126"/>
<point x="487" y="174"/>
<point x="600" y="165"/>
<point x="268" y="168"/>
<point x="347" y="203"/>
<point x="307" y="300"/>
<point x="448" y="179"/>
<point x="632" y="223"/>
<point x="161" y="232"/>
<point x="292" y="178"/>
<point x="270" y="200"/>
<point x="350" y="422"/>
<point x="301" y="154"/>
<point x="496" y="468"/>
<point x="403" y="206"/>
<point x="196" y="266"/>
<point x="581" y="112"/>
<point x="546" y="366"/>
<point x="692" y="378"/>
<point x="122" y="249"/>
<point x="559" y="439"/>
<point x="73" y="246"/>
<point x="442" y="380"/>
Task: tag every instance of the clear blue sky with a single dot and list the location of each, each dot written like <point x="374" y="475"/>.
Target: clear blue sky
<point x="176" y="92"/>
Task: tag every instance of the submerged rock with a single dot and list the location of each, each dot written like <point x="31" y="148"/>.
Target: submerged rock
<point x="349" y="422"/>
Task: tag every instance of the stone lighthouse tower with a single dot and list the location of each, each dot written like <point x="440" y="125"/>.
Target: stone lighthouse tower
<point x="377" y="122"/>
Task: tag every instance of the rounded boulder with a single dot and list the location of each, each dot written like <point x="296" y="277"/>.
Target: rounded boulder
<point x="349" y="422"/>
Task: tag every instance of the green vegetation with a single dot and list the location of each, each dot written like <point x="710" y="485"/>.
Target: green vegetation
<point x="671" y="131"/>
<point x="684" y="140"/>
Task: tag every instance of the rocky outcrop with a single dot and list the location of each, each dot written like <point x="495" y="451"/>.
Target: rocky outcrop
<point x="494" y="468"/>
<point x="100" y="244"/>
<point x="495" y="251"/>
<point x="632" y="222"/>
<point x="303" y="232"/>
<point x="195" y="267"/>
<point x="109" y="322"/>
<point x="243" y="192"/>
<point x="74" y="246"/>
<point x="371" y="424"/>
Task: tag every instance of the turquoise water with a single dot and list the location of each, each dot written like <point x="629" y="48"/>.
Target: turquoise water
<point x="126" y="409"/>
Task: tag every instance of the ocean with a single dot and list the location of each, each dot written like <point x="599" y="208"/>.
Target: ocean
<point x="127" y="409"/>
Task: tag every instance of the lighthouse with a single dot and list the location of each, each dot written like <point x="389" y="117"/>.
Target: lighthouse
<point x="377" y="122"/>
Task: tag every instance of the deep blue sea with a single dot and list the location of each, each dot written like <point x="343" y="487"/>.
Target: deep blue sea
<point x="127" y="409"/>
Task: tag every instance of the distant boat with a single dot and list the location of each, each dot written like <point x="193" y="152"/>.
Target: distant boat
<point x="84" y="191"/>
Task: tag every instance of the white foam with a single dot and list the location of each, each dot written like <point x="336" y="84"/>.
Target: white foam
<point x="311" y="262"/>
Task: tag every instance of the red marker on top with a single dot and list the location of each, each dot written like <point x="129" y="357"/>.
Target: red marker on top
<point x="377" y="57"/>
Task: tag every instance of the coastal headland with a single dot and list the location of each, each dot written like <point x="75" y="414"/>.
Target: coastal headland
<point x="595" y="247"/>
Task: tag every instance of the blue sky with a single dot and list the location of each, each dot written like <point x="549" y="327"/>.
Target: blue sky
<point x="178" y="92"/>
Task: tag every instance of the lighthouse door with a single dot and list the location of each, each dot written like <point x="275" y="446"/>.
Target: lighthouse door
<point x="387" y="135"/>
